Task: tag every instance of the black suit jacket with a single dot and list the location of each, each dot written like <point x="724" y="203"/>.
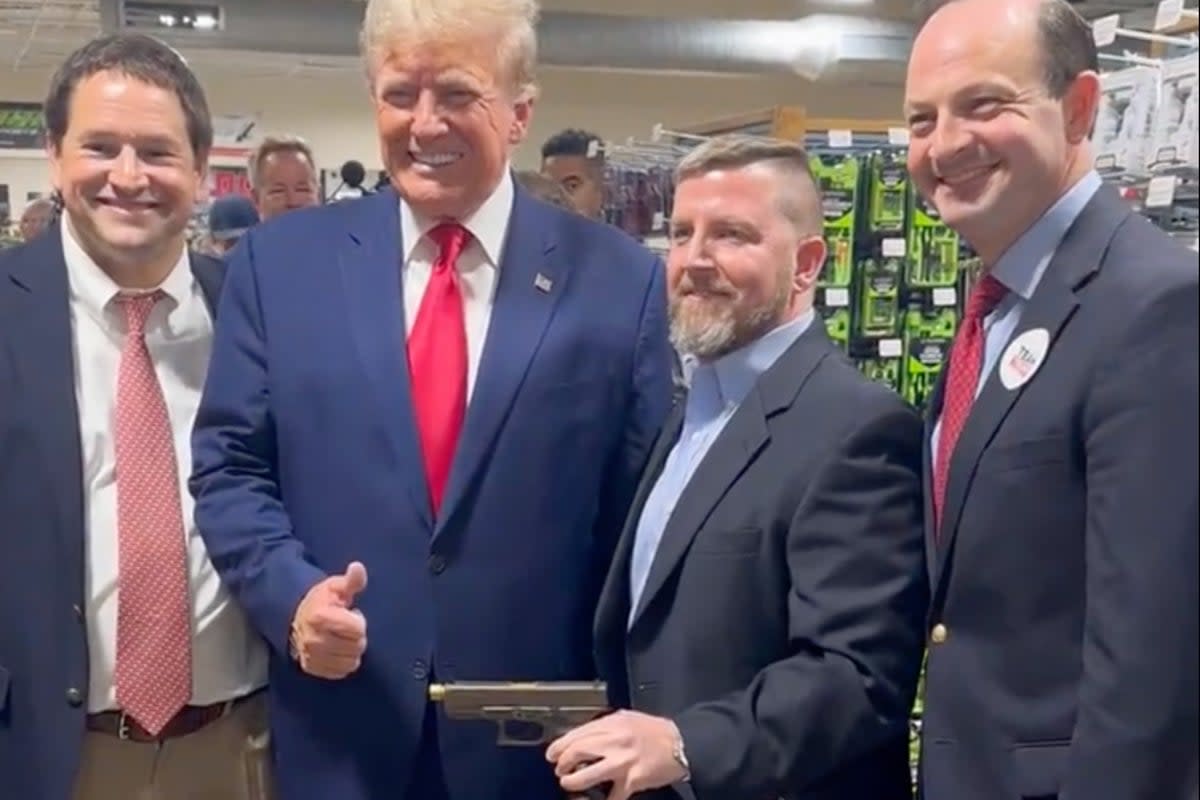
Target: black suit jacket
<point x="43" y="642"/>
<point x="780" y="625"/>
<point x="1065" y="577"/>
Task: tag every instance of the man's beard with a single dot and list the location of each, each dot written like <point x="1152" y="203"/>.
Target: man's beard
<point x="714" y="321"/>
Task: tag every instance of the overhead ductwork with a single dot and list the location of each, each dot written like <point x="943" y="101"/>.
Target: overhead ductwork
<point x="329" y="28"/>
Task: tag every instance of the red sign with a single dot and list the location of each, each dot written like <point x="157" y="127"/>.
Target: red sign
<point x="229" y="180"/>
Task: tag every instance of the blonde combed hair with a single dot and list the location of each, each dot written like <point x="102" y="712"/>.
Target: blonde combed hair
<point x="388" y="24"/>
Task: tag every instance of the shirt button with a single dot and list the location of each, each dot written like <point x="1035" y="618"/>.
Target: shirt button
<point x="939" y="634"/>
<point x="78" y="612"/>
<point x="74" y="697"/>
<point x="437" y="565"/>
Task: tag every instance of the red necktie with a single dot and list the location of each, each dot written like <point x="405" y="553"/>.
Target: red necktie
<point x="437" y="361"/>
<point x="154" y="656"/>
<point x="962" y="379"/>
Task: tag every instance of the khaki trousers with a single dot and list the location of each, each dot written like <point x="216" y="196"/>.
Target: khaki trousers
<point x="226" y="760"/>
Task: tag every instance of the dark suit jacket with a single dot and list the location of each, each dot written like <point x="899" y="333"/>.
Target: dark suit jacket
<point x="780" y="625"/>
<point x="307" y="458"/>
<point x="1065" y="581"/>
<point x="43" y="643"/>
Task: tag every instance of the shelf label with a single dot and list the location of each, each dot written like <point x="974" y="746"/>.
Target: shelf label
<point x="891" y="348"/>
<point x="1168" y="15"/>
<point x="841" y="138"/>
<point x="945" y="296"/>
<point x="836" y="297"/>
<point x="1104" y="29"/>
<point x="1161" y="192"/>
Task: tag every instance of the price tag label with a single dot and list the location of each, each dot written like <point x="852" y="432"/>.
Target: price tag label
<point x="837" y="298"/>
<point x="1161" y="192"/>
<point x="1104" y="29"/>
<point x="1168" y="15"/>
<point x="891" y="348"/>
<point x="898" y="137"/>
<point x="841" y="138"/>
<point x="894" y="248"/>
<point x="945" y="296"/>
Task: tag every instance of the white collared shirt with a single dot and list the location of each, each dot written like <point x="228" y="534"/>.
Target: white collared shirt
<point x="228" y="658"/>
<point x="478" y="266"/>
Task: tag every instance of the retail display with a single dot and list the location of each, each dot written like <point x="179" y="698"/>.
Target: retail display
<point x="892" y="282"/>
<point x="1147" y="135"/>
<point x="1123" y="125"/>
<point x="1176" y="139"/>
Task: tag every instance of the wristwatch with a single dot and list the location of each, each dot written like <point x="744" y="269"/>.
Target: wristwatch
<point x="680" y="756"/>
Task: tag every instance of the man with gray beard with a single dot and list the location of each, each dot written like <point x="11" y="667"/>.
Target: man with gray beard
<point x="762" y="620"/>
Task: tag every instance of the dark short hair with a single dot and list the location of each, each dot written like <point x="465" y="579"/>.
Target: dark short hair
<point x="1068" y="48"/>
<point x="545" y="189"/>
<point x="574" y="142"/>
<point x="138" y="56"/>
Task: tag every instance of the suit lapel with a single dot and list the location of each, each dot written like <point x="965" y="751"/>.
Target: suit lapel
<point x="38" y="319"/>
<point x="529" y="285"/>
<point x="1051" y="306"/>
<point x="735" y="448"/>
<point x="370" y="263"/>
<point x="613" y="607"/>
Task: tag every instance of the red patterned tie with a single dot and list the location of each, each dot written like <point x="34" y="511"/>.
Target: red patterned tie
<point x="154" y="658"/>
<point x="962" y="379"/>
<point x="437" y="361"/>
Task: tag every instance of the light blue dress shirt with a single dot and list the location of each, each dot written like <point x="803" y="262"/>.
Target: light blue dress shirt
<point x="716" y="390"/>
<point x="1020" y="269"/>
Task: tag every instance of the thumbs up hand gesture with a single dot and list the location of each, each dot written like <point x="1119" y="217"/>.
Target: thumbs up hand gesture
<point x="329" y="635"/>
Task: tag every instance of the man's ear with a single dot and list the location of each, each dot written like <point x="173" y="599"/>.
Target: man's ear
<point x="1080" y="106"/>
<point x="809" y="259"/>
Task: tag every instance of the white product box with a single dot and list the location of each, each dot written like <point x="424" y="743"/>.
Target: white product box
<point x="1128" y="102"/>
<point x="1176" y="139"/>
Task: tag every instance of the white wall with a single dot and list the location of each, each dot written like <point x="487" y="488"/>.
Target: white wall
<point x="333" y="114"/>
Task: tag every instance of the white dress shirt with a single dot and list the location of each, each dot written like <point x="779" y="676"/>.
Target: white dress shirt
<point x="477" y="267"/>
<point x="228" y="659"/>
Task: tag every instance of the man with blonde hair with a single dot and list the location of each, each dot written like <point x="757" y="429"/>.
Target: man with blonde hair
<point x="762" y="620"/>
<point x="447" y="386"/>
<point x="283" y="176"/>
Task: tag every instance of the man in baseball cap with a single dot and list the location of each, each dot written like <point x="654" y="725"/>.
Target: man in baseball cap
<point x="228" y="218"/>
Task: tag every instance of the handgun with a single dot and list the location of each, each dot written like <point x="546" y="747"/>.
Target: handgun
<point x="550" y="708"/>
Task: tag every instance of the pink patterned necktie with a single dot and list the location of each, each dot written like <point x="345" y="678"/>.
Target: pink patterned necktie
<point x="962" y="380"/>
<point x="154" y="659"/>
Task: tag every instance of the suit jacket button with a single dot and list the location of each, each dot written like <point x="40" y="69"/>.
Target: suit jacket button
<point x="938" y="634"/>
<point x="437" y="565"/>
<point x="74" y="697"/>
<point x="419" y="670"/>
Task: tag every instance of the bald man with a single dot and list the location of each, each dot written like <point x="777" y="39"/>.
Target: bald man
<point x="1061" y="455"/>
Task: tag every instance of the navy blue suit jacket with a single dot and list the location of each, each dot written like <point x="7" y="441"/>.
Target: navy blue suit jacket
<point x="307" y="458"/>
<point x="43" y="641"/>
<point x="1064" y="576"/>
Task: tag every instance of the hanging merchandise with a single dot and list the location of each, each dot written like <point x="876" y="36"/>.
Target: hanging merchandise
<point x="1147" y="139"/>
<point x="1125" y="120"/>
<point x="1176" y="132"/>
<point x="639" y="186"/>
<point x="837" y="176"/>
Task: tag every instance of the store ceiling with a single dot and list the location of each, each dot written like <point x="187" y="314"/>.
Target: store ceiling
<point x="35" y="35"/>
